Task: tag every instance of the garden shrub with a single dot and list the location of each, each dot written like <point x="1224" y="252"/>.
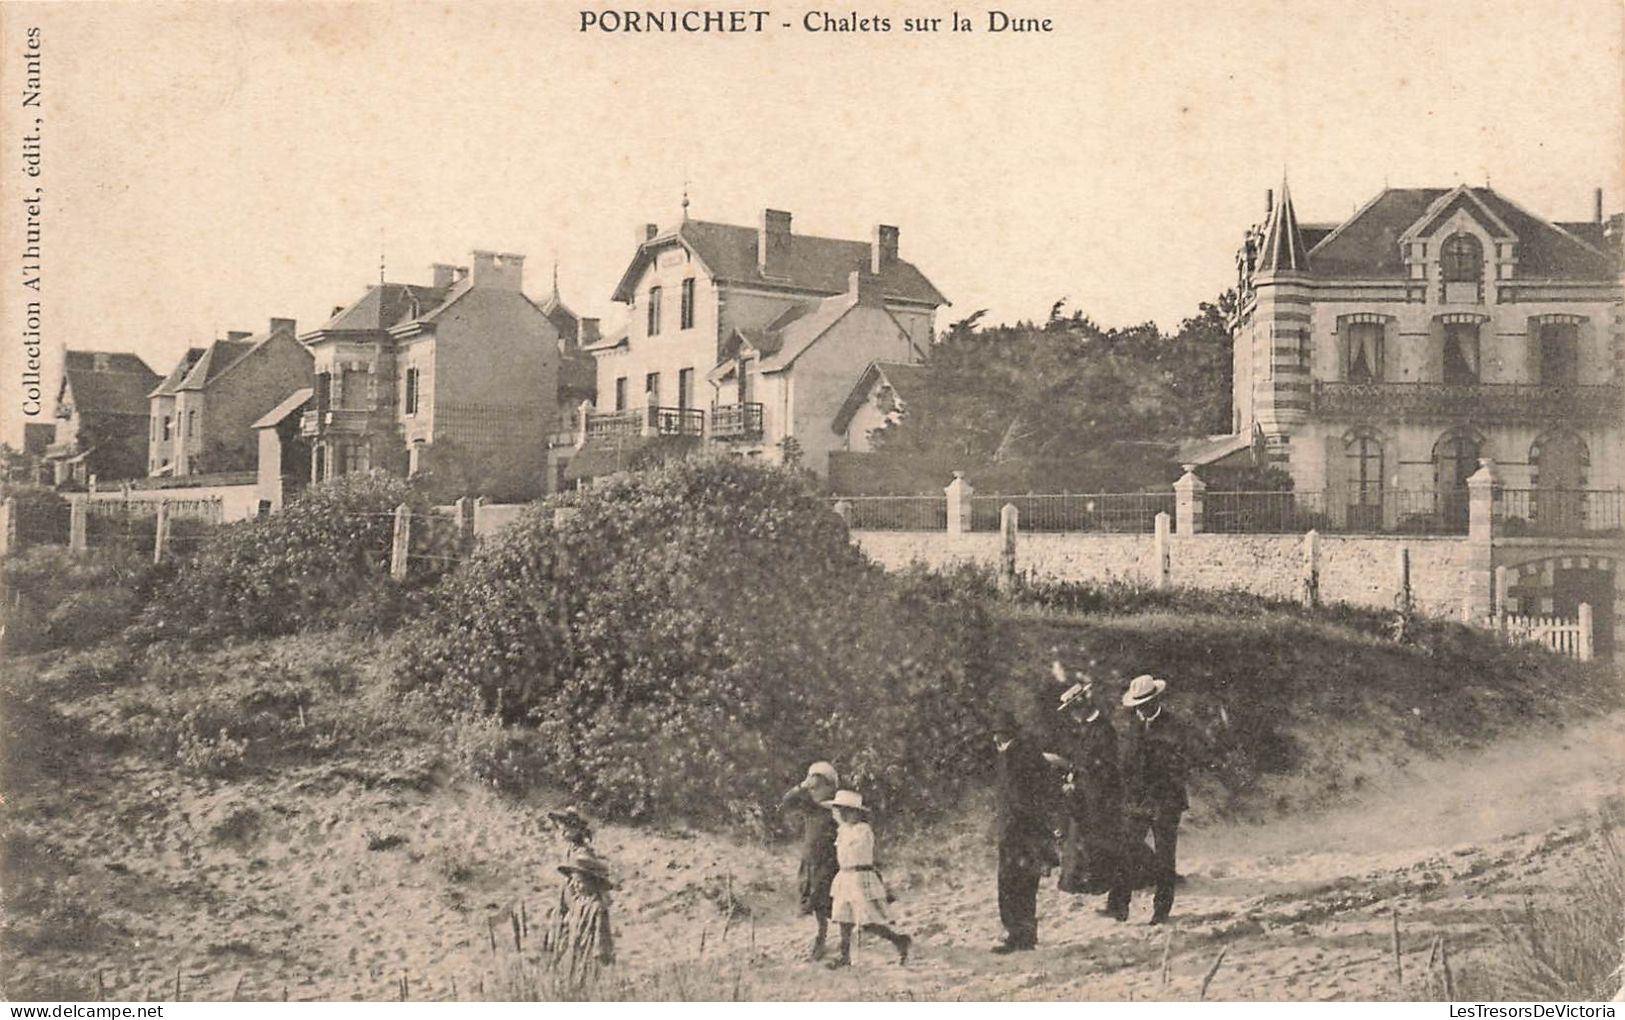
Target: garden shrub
<point x="56" y="599"/>
<point x="323" y="560"/>
<point x="685" y="640"/>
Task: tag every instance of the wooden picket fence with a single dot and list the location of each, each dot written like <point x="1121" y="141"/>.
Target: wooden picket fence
<point x="1565" y="637"/>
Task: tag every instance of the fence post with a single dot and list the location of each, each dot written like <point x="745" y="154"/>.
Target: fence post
<point x="843" y="510"/>
<point x="78" y="512"/>
<point x="1009" y="526"/>
<point x="583" y="412"/>
<point x="1402" y="580"/>
<point x="160" y="535"/>
<point x="8" y="525"/>
<point x="1311" y="567"/>
<point x="1188" y="501"/>
<point x="464" y="508"/>
<point x="1585" y="632"/>
<point x="401" y="547"/>
<point x="1481" y="493"/>
<point x="958" y="494"/>
<point x="479" y="511"/>
<point x="1501" y="597"/>
<point x="1160" y="549"/>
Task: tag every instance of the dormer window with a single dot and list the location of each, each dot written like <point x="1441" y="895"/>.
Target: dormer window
<point x="1461" y="259"/>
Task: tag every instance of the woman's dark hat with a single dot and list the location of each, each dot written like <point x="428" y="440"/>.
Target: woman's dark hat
<point x="587" y="864"/>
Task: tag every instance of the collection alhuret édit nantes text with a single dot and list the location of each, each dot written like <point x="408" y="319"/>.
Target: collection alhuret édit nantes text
<point x="624" y="21"/>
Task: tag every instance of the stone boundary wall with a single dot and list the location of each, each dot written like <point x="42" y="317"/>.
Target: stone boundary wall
<point x="237" y="502"/>
<point x="1360" y="570"/>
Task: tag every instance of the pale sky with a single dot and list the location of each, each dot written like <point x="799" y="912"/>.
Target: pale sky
<point x="208" y="167"/>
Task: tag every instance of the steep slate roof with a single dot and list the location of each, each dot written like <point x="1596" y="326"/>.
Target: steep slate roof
<point x="217" y="357"/>
<point x="1283" y="249"/>
<point x="172" y="381"/>
<point x="120" y="389"/>
<point x="294" y="401"/>
<point x="905" y="381"/>
<point x="1366" y="246"/>
<point x="386" y="305"/>
<point x="819" y="264"/>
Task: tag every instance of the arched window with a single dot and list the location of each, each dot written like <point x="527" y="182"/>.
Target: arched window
<point x="1455" y="458"/>
<point x="1461" y="259"/>
<point x="1362" y="479"/>
<point x="1559" y="462"/>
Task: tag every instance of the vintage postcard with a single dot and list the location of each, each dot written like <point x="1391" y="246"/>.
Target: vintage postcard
<point x="1037" y="500"/>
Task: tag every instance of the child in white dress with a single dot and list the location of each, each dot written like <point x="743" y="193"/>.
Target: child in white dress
<point x="858" y="894"/>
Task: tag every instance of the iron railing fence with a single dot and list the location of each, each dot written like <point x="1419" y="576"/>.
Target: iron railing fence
<point x="1564" y="513"/>
<point x="1097" y="511"/>
<point x="896" y="513"/>
<point x="1371" y="512"/>
<point x="736" y="421"/>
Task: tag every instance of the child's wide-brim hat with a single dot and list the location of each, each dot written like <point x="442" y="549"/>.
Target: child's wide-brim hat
<point x="587" y="864"/>
<point x="1142" y="689"/>
<point x="850" y="799"/>
<point x="824" y="770"/>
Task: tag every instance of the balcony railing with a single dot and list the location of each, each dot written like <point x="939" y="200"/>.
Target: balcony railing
<point x="614" y="423"/>
<point x="334" y="419"/>
<point x="1373" y="512"/>
<point x="736" y="421"/>
<point x="1449" y="401"/>
<point x="677" y="421"/>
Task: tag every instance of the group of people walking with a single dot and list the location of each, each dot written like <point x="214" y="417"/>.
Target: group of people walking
<point x="1115" y="793"/>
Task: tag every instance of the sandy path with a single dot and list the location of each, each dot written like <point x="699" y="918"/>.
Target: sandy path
<point x="269" y="888"/>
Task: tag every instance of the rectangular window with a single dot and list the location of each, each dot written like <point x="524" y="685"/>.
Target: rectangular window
<point x="166" y="428"/>
<point x="620" y="393"/>
<point x="324" y="390"/>
<point x="1559" y="354"/>
<point x="411" y="401"/>
<point x="685" y="388"/>
<point x="1461" y="353"/>
<point x="1364" y="352"/>
<point x="688" y="303"/>
<point x="654" y="311"/>
<point x="651" y="390"/>
<point x="191" y="424"/>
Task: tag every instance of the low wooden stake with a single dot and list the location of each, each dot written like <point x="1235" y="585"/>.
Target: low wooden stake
<point x="177" y="982"/>
<point x="1444" y="964"/>
<point x="238" y="987"/>
<point x="1399" y="964"/>
<point x="1167" y="944"/>
<point x="101" y="987"/>
<point x="1208" y="978"/>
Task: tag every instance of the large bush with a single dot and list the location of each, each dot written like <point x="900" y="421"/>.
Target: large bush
<point x="54" y="598"/>
<point x="323" y="560"/>
<point x="686" y="640"/>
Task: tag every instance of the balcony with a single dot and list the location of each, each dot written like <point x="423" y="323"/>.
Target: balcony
<point x="1421" y="401"/>
<point x="742" y="422"/>
<point x="334" y="420"/>
<point x="614" y="423"/>
<point x="676" y="421"/>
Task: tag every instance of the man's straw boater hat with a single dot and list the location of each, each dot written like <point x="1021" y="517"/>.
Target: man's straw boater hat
<point x="847" y="799"/>
<point x="587" y="864"/>
<point x="1076" y="694"/>
<point x="1142" y="689"/>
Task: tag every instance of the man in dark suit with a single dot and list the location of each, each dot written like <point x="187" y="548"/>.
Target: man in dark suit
<point x="1026" y="842"/>
<point x="1153" y="794"/>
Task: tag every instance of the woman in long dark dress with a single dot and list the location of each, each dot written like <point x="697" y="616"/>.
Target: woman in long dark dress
<point x="1094" y="796"/>
<point x="818" y="863"/>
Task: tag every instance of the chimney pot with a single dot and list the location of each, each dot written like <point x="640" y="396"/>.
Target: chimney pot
<point x="233" y="335"/>
<point x="883" y="249"/>
<point x="1269" y="202"/>
<point x="284" y="325"/>
<point x="589" y="332"/>
<point x="648" y="232"/>
<point x="865" y="286"/>
<point x="1596" y="207"/>
<point x="445" y="274"/>
<point x="773" y="243"/>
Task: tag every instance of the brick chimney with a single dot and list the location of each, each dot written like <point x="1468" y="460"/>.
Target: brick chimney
<point x="590" y="333"/>
<point x="883" y="249"/>
<point x="865" y="286"/>
<point x="1596" y="206"/>
<point x="288" y="326"/>
<point x="773" y="243"/>
<point x="497" y="270"/>
<point x="234" y="335"/>
<point x="648" y="232"/>
<point x="445" y="274"/>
